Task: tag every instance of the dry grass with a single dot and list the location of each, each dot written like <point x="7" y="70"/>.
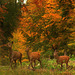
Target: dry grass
<point x="5" y="70"/>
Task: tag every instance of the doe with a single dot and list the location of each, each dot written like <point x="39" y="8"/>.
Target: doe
<point x="14" y="55"/>
<point x="61" y="59"/>
<point x="33" y="56"/>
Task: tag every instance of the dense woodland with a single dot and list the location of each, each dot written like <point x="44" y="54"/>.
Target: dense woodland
<point x="45" y="25"/>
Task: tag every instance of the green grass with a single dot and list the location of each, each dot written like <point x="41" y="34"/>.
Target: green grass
<point x="49" y="68"/>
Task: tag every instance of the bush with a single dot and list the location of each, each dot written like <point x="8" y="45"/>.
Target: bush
<point x="72" y="58"/>
<point x="47" y="64"/>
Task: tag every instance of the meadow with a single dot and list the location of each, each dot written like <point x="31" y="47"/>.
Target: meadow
<point x="45" y="26"/>
<point x="49" y="67"/>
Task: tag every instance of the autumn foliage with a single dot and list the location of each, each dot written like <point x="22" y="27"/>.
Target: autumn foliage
<point x="43" y="24"/>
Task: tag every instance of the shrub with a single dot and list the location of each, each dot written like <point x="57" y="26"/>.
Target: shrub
<point x="72" y="58"/>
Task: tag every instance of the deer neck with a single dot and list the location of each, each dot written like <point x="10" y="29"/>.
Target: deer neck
<point x="10" y="51"/>
<point x="57" y="57"/>
<point x="28" y="54"/>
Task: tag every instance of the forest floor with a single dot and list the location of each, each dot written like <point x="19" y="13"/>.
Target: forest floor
<point x="49" y="68"/>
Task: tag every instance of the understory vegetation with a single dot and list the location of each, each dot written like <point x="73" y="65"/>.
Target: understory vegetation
<point x="49" y="67"/>
<point x="43" y="26"/>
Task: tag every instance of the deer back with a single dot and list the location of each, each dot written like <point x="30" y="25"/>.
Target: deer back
<point x="34" y="55"/>
<point x="16" y="54"/>
<point x="63" y="59"/>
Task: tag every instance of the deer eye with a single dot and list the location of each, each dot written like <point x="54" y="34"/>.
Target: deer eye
<point x="9" y="45"/>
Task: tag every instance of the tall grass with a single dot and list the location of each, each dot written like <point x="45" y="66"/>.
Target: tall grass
<point x="49" y="68"/>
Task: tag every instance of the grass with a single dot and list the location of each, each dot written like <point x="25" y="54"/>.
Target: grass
<point x="49" y="68"/>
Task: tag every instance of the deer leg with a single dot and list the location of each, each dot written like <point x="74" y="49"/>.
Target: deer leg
<point x="61" y="66"/>
<point x="66" y="65"/>
<point x="31" y="65"/>
<point x="34" y="63"/>
<point x="20" y="62"/>
<point x="57" y="62"/>
<point x="40" y="62"/>
<point x="10" y="63"/>
<point x="15" y="62"/>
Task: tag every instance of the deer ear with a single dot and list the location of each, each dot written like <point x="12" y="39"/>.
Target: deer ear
<point x="12" y="42"/>
<point x="55" y="51"/>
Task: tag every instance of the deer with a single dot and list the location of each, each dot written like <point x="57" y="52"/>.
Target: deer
<point x="14" y="55"/>
<point x="33" y="56"/>
<point x="61" y="59"/>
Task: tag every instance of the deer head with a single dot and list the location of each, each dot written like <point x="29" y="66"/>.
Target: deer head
<point x="55" y="54"/>
<point x="27" y="49"/>
<point x="61" y="59"/>
<point x="10" y="44"/>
